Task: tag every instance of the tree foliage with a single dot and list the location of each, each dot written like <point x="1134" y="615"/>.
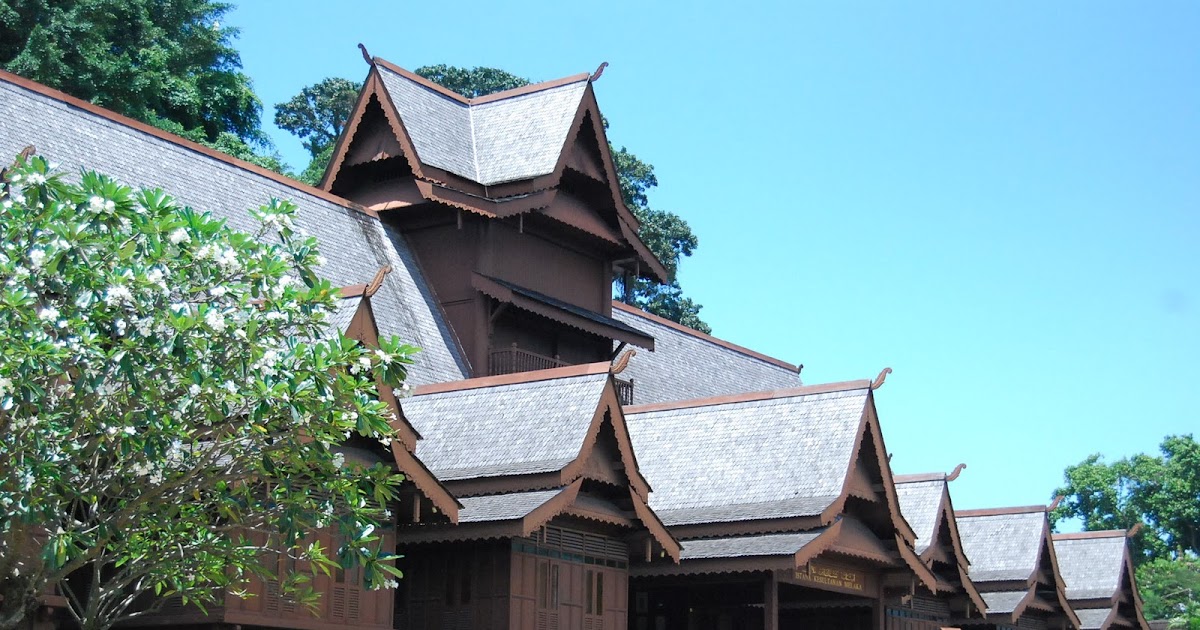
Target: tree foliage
<point x="1163" y="493"/>
<point x="168" y="64"/>
<point x="318" y="113"/>
<point x="472" y="82"/>
<point x="171" y="402"/>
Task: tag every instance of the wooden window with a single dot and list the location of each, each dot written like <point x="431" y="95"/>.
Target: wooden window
<point x="593" y="599"/>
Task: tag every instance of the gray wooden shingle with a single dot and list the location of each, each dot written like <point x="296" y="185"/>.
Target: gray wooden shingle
<point x="1004" y="546"/>
<point x="1002" y="602"/>
<point x="493" y="142"/>
<point x="743" y="546"/>
<point x="1091" y="568"/>
<point x="685" y="366"/>
<point x="503" y="507"/>
<point x="522" y="428"/>
<point x="760" y="459"/>
<point x="921" y="506"/>
<point x="1093" y="618"/>
<point x="355" y="244"/>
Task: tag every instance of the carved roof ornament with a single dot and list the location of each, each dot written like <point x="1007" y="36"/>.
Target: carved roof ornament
<point x="366" y="55"/>
<point x="881" y="378"/>
<point x="1054" y="504"/>
<point x="957" y="471"/>
<point x="377" y="281"/>
<point x="1133" y="531"/>
<point x="623" y="362"/>
<point x="599" y="71"/>
<point x="22" y="156"/>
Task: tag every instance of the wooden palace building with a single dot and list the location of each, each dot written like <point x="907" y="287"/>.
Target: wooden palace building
<point x="573" y="462"/>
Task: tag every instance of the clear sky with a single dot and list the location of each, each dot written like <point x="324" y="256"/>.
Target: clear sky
<point x="999" y="200"/>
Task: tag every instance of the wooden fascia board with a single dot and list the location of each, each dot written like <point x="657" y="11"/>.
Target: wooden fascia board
<point x="366" y="330"/>
<point x="885" y="470"/>
<point x="425" y="481"/>
<point x="971" y="590"/>
<point x="370" y="87"/>
<point x="739" y="528"/>
<point x="700" y="566"/>
<point x="1130" y="583"/>
<point x="556" y="505"/>
<point x="655" y="526"/>
<point x="819" y="545"/>
<point x="923" y="572"/>
<point x="1060" y="587"/>
<point x="610" y="405"/>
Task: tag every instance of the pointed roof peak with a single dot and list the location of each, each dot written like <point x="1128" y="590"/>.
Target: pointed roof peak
<point x="486" y="98"/>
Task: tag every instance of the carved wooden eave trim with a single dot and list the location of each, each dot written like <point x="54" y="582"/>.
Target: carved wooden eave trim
<point x="655" y="527"/>
<point x="609" y="405"/>
<point x="425" y="481"/>
<point x="914" y="563"/>
<point x="548" y="510"/>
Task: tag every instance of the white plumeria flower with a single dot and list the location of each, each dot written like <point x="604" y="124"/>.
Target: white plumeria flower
<point x="179" y="235"/>
<point x="36" y="258"/>
<point x="48" y="313"/>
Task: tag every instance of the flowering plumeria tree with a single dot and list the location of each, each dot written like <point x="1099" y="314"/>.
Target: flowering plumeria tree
<point x="171" y="403"/>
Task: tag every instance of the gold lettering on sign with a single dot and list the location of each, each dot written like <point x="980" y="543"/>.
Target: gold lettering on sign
<point x="830" y="576"/>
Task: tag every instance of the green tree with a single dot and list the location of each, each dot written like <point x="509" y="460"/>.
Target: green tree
<point x="1163" y="493"/>
<point x="172" y="400"/>
<point x="317" y="115"/>
<point x="472" y="82"/>
<point x="169" y="64"/>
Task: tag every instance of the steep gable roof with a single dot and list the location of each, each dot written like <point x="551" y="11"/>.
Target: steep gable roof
<point x="79" y="135"/>
<point x="921" y="505"/>
<point x="688" y="364"/>
<point x="1091" y="567"/>
<point x="486" y="140"/>
<point x="1004" y="546"/>
<point x="925" y="504"/>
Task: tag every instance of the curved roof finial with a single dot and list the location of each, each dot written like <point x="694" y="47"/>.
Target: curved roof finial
<point x="1133" y="531"/>
<point x="957" y="471"/>
<point x="1054" y="504"/>
<point x="377" y="281"/>
<point x="366" y="55"/>
<point x="623" y="362"/>
<point x="599" y="71"/>
<point x="881" y="378"/>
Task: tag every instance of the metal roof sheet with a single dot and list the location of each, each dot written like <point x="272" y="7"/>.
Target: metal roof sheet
<point x="758" y="459"/>
<point x="355" y="245"/>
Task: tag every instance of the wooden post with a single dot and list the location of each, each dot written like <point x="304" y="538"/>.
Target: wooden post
<point x="770" y="602"/>
<point x="879" y="612"/>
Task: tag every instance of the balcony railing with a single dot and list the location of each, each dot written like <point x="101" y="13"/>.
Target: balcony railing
<point x="512" y="360"/>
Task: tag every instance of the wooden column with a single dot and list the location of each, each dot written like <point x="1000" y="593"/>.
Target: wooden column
<point x="770" y="602"/>
<point x="879" y="613"/>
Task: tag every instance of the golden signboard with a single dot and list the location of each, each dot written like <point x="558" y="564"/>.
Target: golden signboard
<point x="831" y="576"/>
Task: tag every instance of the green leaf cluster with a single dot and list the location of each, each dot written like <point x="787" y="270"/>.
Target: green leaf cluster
<point x="173" y="402"/>
<point x="1162" y="492"/>
<point x="168" y="64"/>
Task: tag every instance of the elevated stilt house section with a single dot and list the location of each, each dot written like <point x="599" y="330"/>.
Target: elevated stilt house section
<point x="1014" y="566"/>
<point x="511" y="204"/>
<point x="554" y="509"/>
<point x="785" y="507"/>
<point x="1101" y="587"/>
<point x="925" y="504"/>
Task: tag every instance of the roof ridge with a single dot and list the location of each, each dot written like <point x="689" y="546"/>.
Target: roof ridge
<point x="474" y="144"/>
<point x="1104" y="533"/>
<point x="1023" y="509"/>
<point x="166" y="136"/>
<point x="771" y="394"/>
<point x="918" y="477"/>
<point x="585" y="369"/>
<point x="633" y="310"/>
<point x="486" y="98"/>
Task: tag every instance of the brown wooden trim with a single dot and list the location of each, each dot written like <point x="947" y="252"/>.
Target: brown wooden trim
<point x="919" y="477"/>
<point x="426" y="83"/>
<point x="1107" y="533"/>
<point x="819" y="545"/>
<point x="885" y="469"/>
<point x="354" y="290"/>
<point x="556" y="505"/>
<point x="425" y="187"/>
<point x="609" y="405"/>
<point x="125" y="121"/>
<point x="348" y="131"/>
<point x="971" y="590"/>
<point x="398" y="129"/>
<point x="1025" y="509"/>
<point x="751" y="564"/>
<point x="617" y="304"/>
<point x="529" y="89"/>
<point x="505" y="484"/>
<point x="657" y="530"/>
<point x="749" y="528"/>
<point x="586" y="369"/>
<point x="425" y="481"/>
<point x="910" y="558"/>
<point x="770" y="394"/>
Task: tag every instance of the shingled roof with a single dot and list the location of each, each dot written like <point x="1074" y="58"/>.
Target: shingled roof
<point x="78" y="135"/>
<point x="1099" y="577"/>
<point x="487" y="141"/>
<point x="921" y="505"/>
<point x="1002" y="547"/>
<point x="769" y="456"/>
<point x="688" y="364"/>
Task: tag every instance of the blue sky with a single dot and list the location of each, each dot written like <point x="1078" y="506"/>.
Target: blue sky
<point x="999" y="200"/>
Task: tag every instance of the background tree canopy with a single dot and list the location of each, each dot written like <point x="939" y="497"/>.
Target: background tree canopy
<point x="316" y="115"/>
<point x="1163" y="493"/>
<point x="168" y="64"/>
